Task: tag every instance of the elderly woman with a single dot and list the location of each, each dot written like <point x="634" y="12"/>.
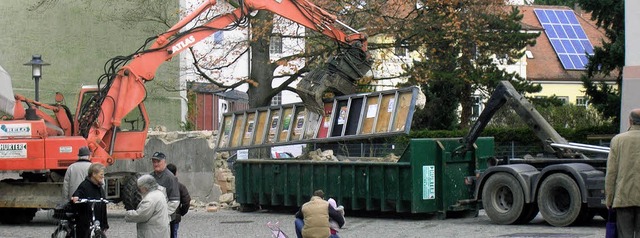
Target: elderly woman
<point x="152" y="215"/>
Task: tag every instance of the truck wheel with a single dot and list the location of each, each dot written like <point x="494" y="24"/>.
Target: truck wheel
<point x="503" y="199"/>
<point x="529" y="212"/>
<point x="559" y="200"/>
<point x="129" y="192"/>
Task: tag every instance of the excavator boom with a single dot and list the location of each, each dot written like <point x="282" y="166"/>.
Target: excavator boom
<point x="100" y="119"/>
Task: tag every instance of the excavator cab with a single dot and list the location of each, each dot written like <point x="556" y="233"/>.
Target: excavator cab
<point x="119" y="140"/>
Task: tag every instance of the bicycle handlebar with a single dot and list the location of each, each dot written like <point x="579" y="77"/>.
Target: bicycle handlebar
<point x="86" y="200"/>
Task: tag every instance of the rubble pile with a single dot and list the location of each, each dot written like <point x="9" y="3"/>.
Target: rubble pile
<point x="328" y="155"/>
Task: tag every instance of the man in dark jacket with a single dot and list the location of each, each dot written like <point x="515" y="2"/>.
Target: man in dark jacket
<point x="313" y="218"/>
<point x="185" y="203"/>
<point x="90" y="188"/>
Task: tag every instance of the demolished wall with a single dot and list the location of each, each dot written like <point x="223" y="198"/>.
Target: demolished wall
<point x="191" y="152"/>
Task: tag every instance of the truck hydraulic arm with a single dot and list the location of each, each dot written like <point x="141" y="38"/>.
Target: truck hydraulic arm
<point x="505" y="93"/>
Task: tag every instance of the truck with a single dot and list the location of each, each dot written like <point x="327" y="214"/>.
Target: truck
<point x="38" y="141"/>
<point x="567" y="189"/>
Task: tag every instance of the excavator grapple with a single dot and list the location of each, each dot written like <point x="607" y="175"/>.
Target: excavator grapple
<point x="339" y="76"/>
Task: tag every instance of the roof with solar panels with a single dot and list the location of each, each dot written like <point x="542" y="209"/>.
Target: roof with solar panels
<point x="561" y="50"/>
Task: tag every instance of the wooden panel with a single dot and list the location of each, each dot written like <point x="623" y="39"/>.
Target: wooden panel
<point x="274" y="124"/>
<point x="370" y="114"/>
<point x="402" y="111"/>
<point x="326" y="120"/>
<point x="261" y="128"/>
<point x="285" y="126"/>
<point x="298" y="124"/>
<point x="238" y="130"/>
<point x="226" y="132"/>
<point x="247" y="137"/>
<point x="384" y="115"/>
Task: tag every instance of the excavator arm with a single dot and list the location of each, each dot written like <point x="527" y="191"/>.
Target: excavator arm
<point x="125" y="90"/>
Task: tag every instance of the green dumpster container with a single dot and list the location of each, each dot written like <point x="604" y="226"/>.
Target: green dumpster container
<point x="429" y="178"/>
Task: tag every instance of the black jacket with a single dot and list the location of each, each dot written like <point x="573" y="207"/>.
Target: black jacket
<point x="185" y="203"/>
<point x="89" y="190"/>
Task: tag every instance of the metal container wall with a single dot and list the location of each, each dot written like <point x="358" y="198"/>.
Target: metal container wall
<point x="428" y="178"/>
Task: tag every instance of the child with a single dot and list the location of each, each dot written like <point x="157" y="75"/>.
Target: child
<point x="333" y="225"/>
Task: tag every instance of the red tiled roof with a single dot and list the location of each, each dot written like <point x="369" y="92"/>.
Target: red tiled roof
<point x="545" y="65"/>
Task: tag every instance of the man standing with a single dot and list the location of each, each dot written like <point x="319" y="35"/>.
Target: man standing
<point x="313" y="217"/>
<point x="151" y="216"/>
<point x="91" y="188"/>
<point x="185" y="203"/>
<point x="166" y="179"/>
<point x="621" y="182"/>
<point x="76" y="173"/>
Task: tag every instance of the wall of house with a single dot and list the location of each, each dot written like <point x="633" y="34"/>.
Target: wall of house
<point x="77" y="38"/>
<point x="571" y="90"/>
<point x="631" y="73"/>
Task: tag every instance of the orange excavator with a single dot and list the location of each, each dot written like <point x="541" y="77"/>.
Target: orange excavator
<point x="39" y="141"/>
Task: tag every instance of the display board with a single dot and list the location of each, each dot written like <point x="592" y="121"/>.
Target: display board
<point x="348" y="117"/>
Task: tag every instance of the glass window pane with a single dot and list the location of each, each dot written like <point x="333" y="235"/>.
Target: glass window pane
<point x="578" y="46"/>
<point x="542" y="17"/>
<point x="551" y="33"/>
<point x="561" y="17"/>
<point x="558" y="46"/>
<point x="587" y="46"/>
<point x="579" y="32"/>
<point x="552" y="16"/>
<point x="568" y="47"/>
<point x="577" y="62"/>
<point x="571" y="17"/>
<point x="560" y="31"/>
<point x="566" y="62"/>
<point x="570" y="33"/>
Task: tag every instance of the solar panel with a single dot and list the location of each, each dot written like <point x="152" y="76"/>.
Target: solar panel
<point x="567" y="37"/>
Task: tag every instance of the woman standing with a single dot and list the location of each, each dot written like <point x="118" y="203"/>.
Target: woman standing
<point x="152" y="215"/>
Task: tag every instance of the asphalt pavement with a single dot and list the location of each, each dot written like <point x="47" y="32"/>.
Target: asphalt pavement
<point x="230" y="223"/>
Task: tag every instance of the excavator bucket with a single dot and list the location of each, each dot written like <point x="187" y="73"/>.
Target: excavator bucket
<point x="338" y="76"/>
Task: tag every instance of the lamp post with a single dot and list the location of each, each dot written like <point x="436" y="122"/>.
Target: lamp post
<point x="36" y="71"/>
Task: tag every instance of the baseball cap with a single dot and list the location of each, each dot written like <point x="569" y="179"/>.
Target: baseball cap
<point x="158" y="156"/>
<point x="84" y="151"/>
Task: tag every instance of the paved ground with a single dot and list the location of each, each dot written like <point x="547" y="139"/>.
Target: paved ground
<point x="229" y="223"/>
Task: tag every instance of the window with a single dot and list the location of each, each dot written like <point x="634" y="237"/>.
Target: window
<point x="275" y="46"/>
<point x="277" y="99"/>
<point x="476" y="107"/>
<point x="582" y="101"/>
<point x="401" y="48"/>
<point x="564" y="99"/>
<point x="218" y="38"/>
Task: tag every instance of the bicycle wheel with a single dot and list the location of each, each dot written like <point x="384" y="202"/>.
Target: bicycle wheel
<point x="97" y="233"/>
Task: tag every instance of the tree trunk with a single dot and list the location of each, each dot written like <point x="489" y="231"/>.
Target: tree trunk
<point x="261" y="72"/>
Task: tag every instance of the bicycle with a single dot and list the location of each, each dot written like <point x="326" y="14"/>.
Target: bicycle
<point x="67" y="225"/>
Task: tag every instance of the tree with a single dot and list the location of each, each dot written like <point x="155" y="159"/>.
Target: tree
<point x="459" y="42"/>
<point x="607" y="59"/>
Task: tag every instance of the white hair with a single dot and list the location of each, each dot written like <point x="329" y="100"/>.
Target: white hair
<point x="147" y="182"/>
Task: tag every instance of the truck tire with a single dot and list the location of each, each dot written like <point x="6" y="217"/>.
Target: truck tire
<point x="529" y="212"/>
<point x="503" y="199"/>
<point x="560" y="201"/>
<point x="129" y="192"/>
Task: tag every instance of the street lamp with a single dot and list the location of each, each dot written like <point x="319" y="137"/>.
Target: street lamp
<point x="36" y="71"/>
